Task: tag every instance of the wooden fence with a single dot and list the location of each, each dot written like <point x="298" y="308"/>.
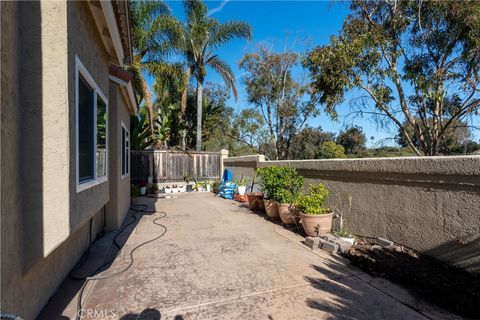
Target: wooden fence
<point x="173" y="166"/>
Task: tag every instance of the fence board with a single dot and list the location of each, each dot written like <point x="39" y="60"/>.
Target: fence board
<point x="173" y="166"/>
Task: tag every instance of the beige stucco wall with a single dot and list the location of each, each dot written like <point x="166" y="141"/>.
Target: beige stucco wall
<point x="119" y="187"/>
<point x="431" y="204"/>
<point x="85" y="43"/>
<point x="44" y="222"/>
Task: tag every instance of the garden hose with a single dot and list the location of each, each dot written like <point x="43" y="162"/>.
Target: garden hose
<point x="135" y="209"/>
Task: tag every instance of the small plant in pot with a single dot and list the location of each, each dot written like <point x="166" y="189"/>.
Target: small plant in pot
<point x="216" y="186"/>
<point x="241" y="185"/>
<point x="189" y="186"/>
<point x="286" y="206"/>
<point x="316" y="216"/>
<point x="168" y="189"/>
<point x="345" y="235"/>
<point x="134" y="192"/>
<point x="153" y="188"/>
<point x="289" y="185"/>
<point x="269" y="185"/>
<point x="208" y="186"/>
<point x="142" y="186"/>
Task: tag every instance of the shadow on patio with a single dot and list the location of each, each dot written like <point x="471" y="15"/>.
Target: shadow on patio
<point x="218" y="260"/>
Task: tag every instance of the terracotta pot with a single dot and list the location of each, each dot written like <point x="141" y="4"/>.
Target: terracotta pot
<point x="287" y="213"/>
<point x="253" y="203"/>
<point x="261" y="204"/>
<point x="271" y="208"/>
<point x="317" y="224"/>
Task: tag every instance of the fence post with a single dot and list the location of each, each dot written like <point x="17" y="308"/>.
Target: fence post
<point x="223" y="155"/>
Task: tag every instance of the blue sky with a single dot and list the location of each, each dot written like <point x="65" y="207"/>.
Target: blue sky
<point x="280" y="23"/>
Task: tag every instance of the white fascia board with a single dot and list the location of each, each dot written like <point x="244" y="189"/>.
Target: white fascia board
<point x="128" y="86"/>
<point x="109" y="14"/>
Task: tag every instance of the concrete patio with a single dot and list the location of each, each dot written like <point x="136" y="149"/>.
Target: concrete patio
<point x="217" y="260"/>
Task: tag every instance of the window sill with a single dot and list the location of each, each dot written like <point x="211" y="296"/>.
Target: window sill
<point x="90" y="184"/>
<point x="125" y="176"/>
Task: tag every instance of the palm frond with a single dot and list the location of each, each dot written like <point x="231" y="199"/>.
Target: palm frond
<point x="224" y="32"/>
<point x="224" y="70"/>
<point x="195" y="12"/>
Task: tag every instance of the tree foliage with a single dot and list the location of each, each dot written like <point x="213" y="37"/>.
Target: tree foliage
<point x="277" y="95"/>
<point x="352" y="139"/>
<point x="330" y="150"/>
<point x="306" y="142"/>
<point x="418" y="62"/>
<point x="196" y="40"/>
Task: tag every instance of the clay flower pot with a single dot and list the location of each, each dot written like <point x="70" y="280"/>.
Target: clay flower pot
<point x="261" y="204"/>
<point x="253" y="203"/>
<point x="271" y="208"/>
<point x="317" y="224"/>
<point x="287" y="213"/>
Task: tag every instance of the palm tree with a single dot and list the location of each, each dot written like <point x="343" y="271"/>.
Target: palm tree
<point x="150" y="47"/>
<point x="196" y="40"/>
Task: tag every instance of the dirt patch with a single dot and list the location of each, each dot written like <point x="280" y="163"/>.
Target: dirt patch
<point x="450" y="288"/>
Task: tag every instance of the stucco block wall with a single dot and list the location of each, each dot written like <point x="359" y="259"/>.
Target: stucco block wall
<point x="119" y="203"/>
<point x="431" y="204"/>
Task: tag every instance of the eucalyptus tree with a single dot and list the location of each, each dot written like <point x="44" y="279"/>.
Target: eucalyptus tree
<point x="196" y="41"/>
<point x="410" y="59"/>
<point x="279" y="95"/>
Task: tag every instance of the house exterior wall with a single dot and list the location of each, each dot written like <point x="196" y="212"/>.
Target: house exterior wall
<point x="44" y="221"/>
<point x="119" y="203"/>
<point x="85" y="43"/>
<point x="431" y="204"/>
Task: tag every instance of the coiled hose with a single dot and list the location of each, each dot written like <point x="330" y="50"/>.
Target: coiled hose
<point x="136" y="209"/>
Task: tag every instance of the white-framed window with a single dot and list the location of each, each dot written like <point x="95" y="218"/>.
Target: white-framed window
<point x="91" y="126"/>
<point x="125" y="146"/>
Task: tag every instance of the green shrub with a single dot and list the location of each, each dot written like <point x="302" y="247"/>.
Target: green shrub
<point x="315" y="201"/>
<point x="280" y="183"/>
<point x="285" y="196"/>
<point x="330" y="150"/>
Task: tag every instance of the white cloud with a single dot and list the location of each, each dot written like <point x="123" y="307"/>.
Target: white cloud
<point x="219" y="8"/>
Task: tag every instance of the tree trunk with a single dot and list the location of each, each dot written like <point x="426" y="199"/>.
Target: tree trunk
<point x="183" y="105"/>
<point x="199" y="115"/>
<point x="183" y="108"/>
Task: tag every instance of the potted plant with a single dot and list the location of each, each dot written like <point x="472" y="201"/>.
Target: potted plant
<point x="189" y="185"/>
<point x="168" y="189"/>
<point x="181" y="188"/>
<point x="142" y="186"/>
<point x="289" y="184"/>
<point x="174" y="188"/>
<point x="269" y="185"/>
<point x="345" y="235"/>
<point x="316" y="216"/>
<point x="286" y="207"/>
<point x="152" y="188"/>
<point x="216" y="186"/>
<point x="134" y="192"/>
<point x="241" y="185"/>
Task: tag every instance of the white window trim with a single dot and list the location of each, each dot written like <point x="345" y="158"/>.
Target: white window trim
<point x="124" y="127"/>
<point x="84" y="185"/>
<point x="123" y="176"/>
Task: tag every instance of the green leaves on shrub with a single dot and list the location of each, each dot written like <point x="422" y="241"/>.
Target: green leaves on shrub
<point x="315" y="201"/>
<point x="282" y="184"/>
